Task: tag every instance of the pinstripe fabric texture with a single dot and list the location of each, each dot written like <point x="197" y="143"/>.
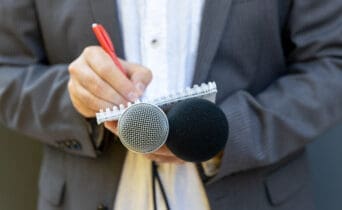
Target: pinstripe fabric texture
<point x="277" y="65"/>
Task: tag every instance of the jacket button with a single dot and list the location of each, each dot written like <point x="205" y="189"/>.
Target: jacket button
<point x="102" y="207"/>
<point x="74" y="144"/>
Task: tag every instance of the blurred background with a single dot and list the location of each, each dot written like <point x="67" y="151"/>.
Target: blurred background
<point x="20" y="159"/>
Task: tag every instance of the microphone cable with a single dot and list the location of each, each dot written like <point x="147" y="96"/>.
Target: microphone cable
<point x="156" y="177"/>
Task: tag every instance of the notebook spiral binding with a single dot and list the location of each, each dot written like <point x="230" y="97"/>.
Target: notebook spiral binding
<point x="205" y="90"/>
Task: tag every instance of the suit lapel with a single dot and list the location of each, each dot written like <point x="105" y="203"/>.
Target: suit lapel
<point x="213" y="23"/>
<point x="105" y="12"/>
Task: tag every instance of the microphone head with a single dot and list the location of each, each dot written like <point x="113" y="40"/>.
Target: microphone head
<point x="143" y="128"/>
<point x="198" y="130"/>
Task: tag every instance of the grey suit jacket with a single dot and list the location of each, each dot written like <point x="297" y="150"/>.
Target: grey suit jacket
<point x="277" y="64"/>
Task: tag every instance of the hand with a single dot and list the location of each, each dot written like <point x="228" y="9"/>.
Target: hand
<point x="96" y="82"/>
<point x="164" y="155"/>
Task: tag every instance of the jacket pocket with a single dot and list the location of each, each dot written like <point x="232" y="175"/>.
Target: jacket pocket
<point x="283" y="183"/>
<point x="52" y="178"/>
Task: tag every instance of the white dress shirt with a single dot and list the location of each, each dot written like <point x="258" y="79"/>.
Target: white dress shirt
<point x="163" y="36"/>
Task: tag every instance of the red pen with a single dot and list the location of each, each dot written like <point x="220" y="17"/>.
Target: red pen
<point x="106" y="43"/>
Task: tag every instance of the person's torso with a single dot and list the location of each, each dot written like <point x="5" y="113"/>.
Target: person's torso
<point x="241" y="47"/>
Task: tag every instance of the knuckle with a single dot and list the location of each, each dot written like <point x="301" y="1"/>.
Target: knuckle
<point x="69" y="85"/>
<point x="119" y="100"/>
<point x="97" y="87"/>
<point x="71" y="88"/>
<point x="72" y="68"/>
<point x="115" y="99"/>
<point x="144" y="73"/>
<point x="87" y="51"/>
<point x="90" y="51"/>
<point x="91" y="104"/>
<point x="86" y="82"/>
<point x="83" y="97"/>
<point x="104" y="68"/>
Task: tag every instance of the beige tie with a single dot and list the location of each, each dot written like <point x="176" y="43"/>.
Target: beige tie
<point x="183" y="186"/>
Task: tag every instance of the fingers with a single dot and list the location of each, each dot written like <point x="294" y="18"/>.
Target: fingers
<point x="164" y="155"/>
<point x="84" y="101"/>
<point x="104" y="67"/>
<point x="96" y="82"/>
<point x="139" y="75"/>
<point x="164" y="151"/>
<point x="112" y="126"/>
<point x="164" y="159"/>
<point x="85" y="111"/>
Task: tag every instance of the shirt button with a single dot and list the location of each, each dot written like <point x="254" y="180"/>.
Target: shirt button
<point x="155" y="43"/>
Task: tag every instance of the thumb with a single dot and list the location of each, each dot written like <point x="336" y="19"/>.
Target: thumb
<point x="112" y="126"/>
<point x="139" y="75"/>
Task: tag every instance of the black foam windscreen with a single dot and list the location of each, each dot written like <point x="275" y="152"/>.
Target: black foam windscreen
<point x="198" y="130"/>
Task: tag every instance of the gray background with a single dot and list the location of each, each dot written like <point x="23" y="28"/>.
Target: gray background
<point x="20" y="158"/>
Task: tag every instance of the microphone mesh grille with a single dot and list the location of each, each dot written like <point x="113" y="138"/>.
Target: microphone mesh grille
<point x="143" y="128"/>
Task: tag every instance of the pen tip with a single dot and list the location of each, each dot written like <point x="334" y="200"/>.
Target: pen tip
<point x="94" y="25"/>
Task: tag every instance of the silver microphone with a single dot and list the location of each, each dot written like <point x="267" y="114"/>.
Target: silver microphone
<point x="143" y="128"/>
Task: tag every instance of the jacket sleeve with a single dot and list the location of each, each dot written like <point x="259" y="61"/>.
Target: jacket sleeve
<point x="34" y="98"/>
<point x="298" y="106"/>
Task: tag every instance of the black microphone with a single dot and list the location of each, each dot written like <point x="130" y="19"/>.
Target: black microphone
<point x="194" y="130"/>
<point x="198" y="130"/>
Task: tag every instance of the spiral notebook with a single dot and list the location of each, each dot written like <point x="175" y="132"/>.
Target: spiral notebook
<point x="205" y="91"/>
